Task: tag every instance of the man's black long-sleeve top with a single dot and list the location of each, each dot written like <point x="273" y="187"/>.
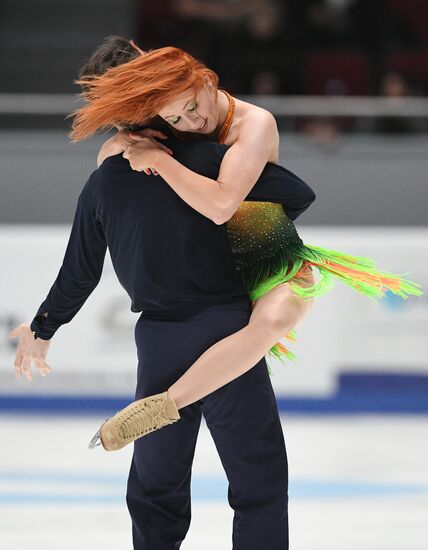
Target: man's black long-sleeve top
<point x="168" y="257"/>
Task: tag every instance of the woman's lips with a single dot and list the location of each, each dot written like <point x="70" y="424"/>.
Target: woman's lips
<point x="204" y="125"/>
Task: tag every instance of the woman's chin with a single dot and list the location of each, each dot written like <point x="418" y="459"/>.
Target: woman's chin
<point x="205" y="128"/>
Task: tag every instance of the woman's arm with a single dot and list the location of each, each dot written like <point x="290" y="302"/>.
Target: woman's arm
<point x="240" y="168"/>
<point x="123" y="139"/>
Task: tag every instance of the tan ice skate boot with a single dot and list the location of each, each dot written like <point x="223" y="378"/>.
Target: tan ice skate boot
<point x="135" y="420"/>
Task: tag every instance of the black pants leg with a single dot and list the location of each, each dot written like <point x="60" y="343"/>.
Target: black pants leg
<point x="243" y="419"/>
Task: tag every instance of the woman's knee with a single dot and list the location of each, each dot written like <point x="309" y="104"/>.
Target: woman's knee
<point x="277" y="316"/>
<point x="276" y="321"/>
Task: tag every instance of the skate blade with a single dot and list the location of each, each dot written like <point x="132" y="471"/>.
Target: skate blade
<point x="95" y="441"/>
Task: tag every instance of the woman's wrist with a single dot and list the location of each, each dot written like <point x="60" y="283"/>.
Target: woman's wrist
<point x="157" y="159"/>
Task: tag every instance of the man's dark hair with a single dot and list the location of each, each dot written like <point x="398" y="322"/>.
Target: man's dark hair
<point x="114" y="50"/>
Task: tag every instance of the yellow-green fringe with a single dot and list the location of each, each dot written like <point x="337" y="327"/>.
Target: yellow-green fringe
<point x="358" y="272"/>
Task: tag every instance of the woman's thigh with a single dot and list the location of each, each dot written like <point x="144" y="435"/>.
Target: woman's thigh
<point x="167" y="349"/>
<point x="281" y="302"/>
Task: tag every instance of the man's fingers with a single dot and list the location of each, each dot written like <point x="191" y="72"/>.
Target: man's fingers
<point x="26" y="367"/>
<point x="18" y="363"/>
<point x="47" y="367"/>
<point x="40" y="367"/>
<point x="16" y="331"/>
<point x="43" y="367"/>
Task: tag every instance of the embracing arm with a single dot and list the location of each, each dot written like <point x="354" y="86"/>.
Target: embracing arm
<point x="244" y="161"/>
<point x="280" y="185"/>
<point x="80" y="271"/>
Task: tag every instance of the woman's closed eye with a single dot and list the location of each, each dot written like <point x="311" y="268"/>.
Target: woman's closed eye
<point x="179" y="117"/>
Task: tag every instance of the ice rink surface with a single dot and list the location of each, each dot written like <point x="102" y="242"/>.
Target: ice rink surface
<point x="356" y="482"/>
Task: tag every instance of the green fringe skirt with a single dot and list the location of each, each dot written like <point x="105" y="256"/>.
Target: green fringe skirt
<point x="268" y="251"/>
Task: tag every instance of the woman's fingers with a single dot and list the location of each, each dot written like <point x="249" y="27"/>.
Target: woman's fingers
<point x="147" y="132"/>
<point x="142" y="134"/>
<point x="161" y="146"/>
<point x="159" y="134"/>
<point x="164" y="147"/>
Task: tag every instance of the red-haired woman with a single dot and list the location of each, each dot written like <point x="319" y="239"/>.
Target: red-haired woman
<point x="274" y="263"/>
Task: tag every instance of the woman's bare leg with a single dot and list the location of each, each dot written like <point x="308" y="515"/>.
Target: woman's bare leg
<point x="273" y="316"/>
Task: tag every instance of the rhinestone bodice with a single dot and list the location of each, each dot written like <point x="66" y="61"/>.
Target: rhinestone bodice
<point x="257" y="229"/>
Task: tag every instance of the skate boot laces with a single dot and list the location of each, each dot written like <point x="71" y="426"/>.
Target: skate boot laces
<point x="141" y="418"/>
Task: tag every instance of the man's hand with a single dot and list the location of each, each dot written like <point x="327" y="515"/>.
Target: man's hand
<point x="30" y="350"/>
<point x="123" y="139"/>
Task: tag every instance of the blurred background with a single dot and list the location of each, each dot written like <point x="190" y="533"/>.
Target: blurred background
<point x="347" y="81"/>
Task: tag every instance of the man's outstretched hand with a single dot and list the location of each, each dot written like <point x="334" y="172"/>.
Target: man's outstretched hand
<point x="29" y="351"/>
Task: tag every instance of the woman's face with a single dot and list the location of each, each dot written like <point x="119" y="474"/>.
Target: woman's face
<point x="193" y="113"/>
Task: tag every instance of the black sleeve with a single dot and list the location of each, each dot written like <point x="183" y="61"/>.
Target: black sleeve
<point x="275" y="184"/>
<point x="278" y="184"/>
<point x="81" y="267"/>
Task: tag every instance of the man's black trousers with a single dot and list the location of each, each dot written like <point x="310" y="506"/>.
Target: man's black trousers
<point x="243" y="419"/>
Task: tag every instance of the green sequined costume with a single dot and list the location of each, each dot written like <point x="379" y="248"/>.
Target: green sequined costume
<point x="267" y="251"/>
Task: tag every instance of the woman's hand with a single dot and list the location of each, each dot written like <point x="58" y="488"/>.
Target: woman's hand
<point x="142" y="153"/>
<point x="123" y="139"/>
<point x="30" y="350"/>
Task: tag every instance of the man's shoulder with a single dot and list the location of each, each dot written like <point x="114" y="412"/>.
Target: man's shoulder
<point x="114" y="169"/>
<point x="203" y="157"/>
<point x="192" y="145"/>
<point x="112" y="164"/>
<point x="199" y="156"/>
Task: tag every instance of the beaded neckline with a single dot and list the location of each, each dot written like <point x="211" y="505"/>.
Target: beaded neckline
<point x="229" y="117"/>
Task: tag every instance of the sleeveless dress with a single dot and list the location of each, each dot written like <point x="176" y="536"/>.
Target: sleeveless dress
<point x="268" y="251"/>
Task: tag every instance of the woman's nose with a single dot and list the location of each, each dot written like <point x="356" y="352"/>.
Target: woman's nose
<point x="196" y="121"/>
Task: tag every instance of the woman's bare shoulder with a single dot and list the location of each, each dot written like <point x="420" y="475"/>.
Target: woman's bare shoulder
<point x="249" y="113"/>
<point x="251" y="116"/>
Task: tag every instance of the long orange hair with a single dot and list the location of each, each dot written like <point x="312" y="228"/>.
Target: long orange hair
<point x="137" y="90"/>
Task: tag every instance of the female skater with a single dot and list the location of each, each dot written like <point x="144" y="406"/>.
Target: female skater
<point x="275" y="265"/>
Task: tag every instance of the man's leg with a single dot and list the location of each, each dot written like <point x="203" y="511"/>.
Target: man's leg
<point x="244" y="422"/>
<point x="158" y="491"/>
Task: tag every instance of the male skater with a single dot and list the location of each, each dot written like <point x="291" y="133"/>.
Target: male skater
<point x="177" y="267"/>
